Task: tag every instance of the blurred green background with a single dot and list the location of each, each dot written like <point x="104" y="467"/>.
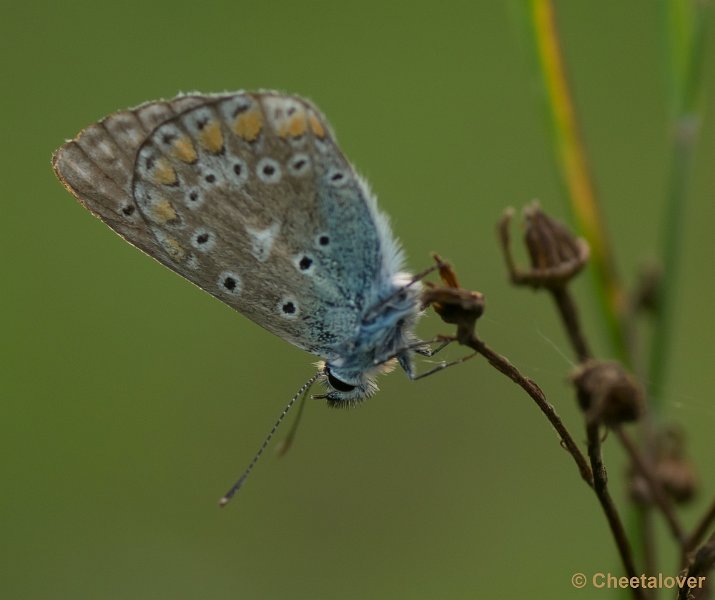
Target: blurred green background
<point x="131" y="400"/>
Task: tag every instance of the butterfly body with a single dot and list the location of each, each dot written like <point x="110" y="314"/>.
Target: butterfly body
<point x="248" y="196"/>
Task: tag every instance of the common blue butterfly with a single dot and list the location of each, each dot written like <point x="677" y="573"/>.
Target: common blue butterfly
<point x="248" y="196"/>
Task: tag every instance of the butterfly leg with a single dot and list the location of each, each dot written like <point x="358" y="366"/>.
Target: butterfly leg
<point x="421" y="347"/>
<point x="424" y="350"/>
<point x="442" y="366"/>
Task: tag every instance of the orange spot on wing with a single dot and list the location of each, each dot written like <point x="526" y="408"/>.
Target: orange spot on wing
<point x="248" y="124"/>
<point x="211" y="137"/>
<point x="316" y="126"/>
<point x="163" y="211"/>
<point x="184" y="150"/>
<point x="173" y="248"/>
<point x="297" y="125"/>
<point x="164" y="173"/>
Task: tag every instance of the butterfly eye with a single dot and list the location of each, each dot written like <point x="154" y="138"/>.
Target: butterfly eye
<point x="341" y="386"/>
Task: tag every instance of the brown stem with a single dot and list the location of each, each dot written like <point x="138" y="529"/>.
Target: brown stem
<point x="600" y="481"/>
<point x="502" y="364"/>
<point x="569" y="315"/>
<point x="701" y="564"/>
<point x="701" y="528"/>
<point x="462" y="308"/>
<point x="656" y="491"/>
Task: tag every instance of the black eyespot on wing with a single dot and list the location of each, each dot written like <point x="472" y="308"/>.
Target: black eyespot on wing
<point x="269" y="170"/>
<point x="194" y="196"/>
<point x="305" y="263"/>
<point x="211" y="178"/>
<point x="238" y="168"/>
<point x="202" y="238"/>
<point x="229" y="283"/>
<point x="288" y="308"/>
<point x="341" y="386"/>
<point x="323" y="240"/>
<point x="128" y="210"/>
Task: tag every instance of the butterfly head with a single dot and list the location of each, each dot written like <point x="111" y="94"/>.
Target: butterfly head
<point x="346" y="388"/>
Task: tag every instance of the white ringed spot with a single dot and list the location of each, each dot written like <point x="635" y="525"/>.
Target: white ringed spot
<point x="268" y="170"/>
<point x="305" y="263"/>
<point x="322" y="241"/>
<point x="193" y="198"/>
<point x="288" y="308"/>
<point x="229" y="283"/>
<point x="299" y="164"/>
<point x="209" y="178"/>
<point x="336" y="177"/>
<point x="203" y="239"/>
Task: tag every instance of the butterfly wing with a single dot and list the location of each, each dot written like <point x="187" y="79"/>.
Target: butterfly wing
<point x="247" y="196"/>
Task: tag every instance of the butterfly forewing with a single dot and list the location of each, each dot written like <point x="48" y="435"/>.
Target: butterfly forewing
<point x="248" y="197"/>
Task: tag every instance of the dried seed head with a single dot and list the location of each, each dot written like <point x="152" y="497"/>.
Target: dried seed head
<point x="556" y="254"/>
<point x="452" y="303"/>
<point x="678" y="479"/>
<point x="674" y="471"/>
<point x="607" y="393"/>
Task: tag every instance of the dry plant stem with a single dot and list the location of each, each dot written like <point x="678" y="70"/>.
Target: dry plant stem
<point x="569" y="315"/>
<point x="702" y="563"/>
<point x="701" y="528"/>
<point x="462" y="308"/>
<point x="502" y="364"/>
<point x="659" y="496"/>
<point x="600" y="481"/>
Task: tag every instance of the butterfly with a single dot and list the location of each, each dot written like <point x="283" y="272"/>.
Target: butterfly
<point x="248" y="196"/>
